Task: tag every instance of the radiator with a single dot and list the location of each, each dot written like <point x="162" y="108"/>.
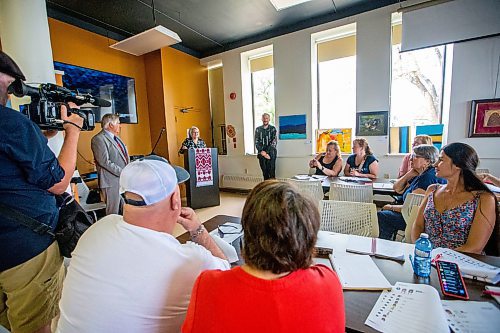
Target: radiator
<point x="243" y="182"/>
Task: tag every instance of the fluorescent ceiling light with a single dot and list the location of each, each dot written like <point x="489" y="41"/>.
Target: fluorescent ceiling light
<point x="282" y="4"/>
<point x="147" y="41"/>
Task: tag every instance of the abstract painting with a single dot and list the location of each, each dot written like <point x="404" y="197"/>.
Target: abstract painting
<point x="341" y="135"/>
<point x="485" y="118"/>
<point x="292" y="127"/>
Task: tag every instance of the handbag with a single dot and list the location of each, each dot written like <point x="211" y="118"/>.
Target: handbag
<point x="73" y="222"/>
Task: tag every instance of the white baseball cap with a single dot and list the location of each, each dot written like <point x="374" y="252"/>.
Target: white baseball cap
<point x="152" y="177"/>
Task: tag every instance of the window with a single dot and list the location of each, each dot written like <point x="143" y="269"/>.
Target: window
<point x="257" y="91"/>
<point x="263" y="95"/>
<point x="417" y="91"/>
<point x="336" y="53"/>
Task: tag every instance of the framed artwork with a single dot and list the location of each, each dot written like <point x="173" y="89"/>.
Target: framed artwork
<point x="341" y="135"/>
<point x="293" y="127"/>
<point x="485" y="118"/>
<point x="372" y="123"/>
<point x="118" y="89"/>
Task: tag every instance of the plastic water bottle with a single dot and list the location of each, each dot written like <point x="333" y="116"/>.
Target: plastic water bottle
<point x="422" y="263"/>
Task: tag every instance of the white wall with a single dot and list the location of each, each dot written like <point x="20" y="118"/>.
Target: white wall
<point x="474" y="77"/>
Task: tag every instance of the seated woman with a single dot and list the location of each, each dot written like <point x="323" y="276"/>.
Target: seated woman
<point x="330" y="163"/>
<point x="193" y="141"/>
<point x="362" y="163"/>
<point x="421" y="175"/>
<point x="277" y="289"/>
<point x="462" y="214"/>
<point x="405" y="165"/>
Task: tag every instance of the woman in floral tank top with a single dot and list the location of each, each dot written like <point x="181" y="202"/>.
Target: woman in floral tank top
<point x="462" y="214"/>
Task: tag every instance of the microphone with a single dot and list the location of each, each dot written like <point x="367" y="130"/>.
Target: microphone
<point x="158" y="140"/>
<point x="92" y="100"/>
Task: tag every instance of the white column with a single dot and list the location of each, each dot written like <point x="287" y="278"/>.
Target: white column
<point x="25" y="37"/>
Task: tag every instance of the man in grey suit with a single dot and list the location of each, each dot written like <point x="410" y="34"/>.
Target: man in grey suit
<point x="111" y="156"/>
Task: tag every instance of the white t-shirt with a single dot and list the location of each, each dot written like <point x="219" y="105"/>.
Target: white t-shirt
<point x="124" y="278"/>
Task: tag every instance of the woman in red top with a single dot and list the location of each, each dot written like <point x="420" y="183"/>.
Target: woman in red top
<point x="277" y="289"/>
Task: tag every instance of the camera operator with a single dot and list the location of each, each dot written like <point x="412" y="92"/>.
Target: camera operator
<point x="31" y="270"/>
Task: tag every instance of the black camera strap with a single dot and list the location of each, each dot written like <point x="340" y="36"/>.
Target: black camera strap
<point x="29" y="222"/>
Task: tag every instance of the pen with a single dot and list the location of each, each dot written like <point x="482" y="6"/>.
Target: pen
<point x="438" y="256"/>
<point x="491" y="292"/>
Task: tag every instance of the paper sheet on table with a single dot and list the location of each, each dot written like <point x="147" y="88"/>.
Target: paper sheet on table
<point x="358" y="272"/>
<point x="469" y="267"/>
<point x="302" y="177"/>
<point x="408" y="307"/>
<point x="468" y="317"/>
<point x="230" y="232"/>
<point x="387" y="186"/>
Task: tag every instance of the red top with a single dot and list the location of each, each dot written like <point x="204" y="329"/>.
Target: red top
<point x="307" y="300"/>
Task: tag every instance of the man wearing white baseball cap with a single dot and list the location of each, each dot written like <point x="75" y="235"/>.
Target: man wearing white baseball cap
<point x="129" y="274"/>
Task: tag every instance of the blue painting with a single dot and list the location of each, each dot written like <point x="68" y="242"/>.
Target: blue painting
<point x="293" y="127"/>
<point x="118" y="89"/>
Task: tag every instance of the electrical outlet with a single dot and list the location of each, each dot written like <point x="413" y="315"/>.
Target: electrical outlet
<point x="386" y="176"/>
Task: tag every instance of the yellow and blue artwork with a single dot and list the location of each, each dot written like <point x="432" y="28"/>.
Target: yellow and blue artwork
<point x="434" y="131"/>
<point x="341" y="135"/>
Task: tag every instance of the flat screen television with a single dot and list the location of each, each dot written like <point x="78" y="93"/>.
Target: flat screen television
<point x="118" y="89"/>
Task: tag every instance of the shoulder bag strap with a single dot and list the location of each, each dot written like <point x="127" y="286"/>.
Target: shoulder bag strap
<point x="29" y="222"/>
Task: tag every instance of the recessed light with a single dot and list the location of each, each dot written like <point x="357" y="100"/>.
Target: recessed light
<point x="282" y="4"/>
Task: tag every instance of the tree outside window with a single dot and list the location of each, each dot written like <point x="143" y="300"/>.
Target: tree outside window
<point x="263" y="95"/>
<point x="417" y="86"/>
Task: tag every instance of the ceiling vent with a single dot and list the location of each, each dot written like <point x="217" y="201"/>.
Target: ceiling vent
<point x="283" y="4"/>
<point x="147" y="41"/>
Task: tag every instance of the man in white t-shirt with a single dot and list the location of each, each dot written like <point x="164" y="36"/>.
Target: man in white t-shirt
<point x="128" y="273"/>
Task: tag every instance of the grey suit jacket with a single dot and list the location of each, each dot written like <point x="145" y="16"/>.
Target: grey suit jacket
<point x="109" y="159"/>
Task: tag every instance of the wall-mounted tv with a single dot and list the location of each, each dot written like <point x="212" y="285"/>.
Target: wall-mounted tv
<point x="118" y="89"/>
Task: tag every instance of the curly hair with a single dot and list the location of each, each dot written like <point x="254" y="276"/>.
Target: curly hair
<point x="280" y="227"/>
<point x="363" y="143"/>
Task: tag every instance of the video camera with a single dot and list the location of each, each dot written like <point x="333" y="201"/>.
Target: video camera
<point x="46" y="101"/>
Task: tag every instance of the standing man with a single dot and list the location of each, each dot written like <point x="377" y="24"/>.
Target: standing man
<point x="265" y="142"/>
<point x="111" y="156"/>
<point x="31" y="270"/>
<point x="128" y="273"/>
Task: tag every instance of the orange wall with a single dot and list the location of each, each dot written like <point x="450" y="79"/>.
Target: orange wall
<point x="154" y="84"/>
<point x="185" y="85"/>
<point x="79" y="47"/>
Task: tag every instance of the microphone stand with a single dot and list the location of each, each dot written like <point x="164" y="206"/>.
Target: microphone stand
<point x="158" y="140"/>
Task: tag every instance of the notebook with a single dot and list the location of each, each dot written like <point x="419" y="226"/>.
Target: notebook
<point x="358" y="272"/>
<point x="377" y="247"/>
<point x="408" y="308"/>
<point x="469" y="267"/>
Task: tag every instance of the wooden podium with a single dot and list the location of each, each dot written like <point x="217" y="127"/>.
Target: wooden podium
<point x="201" y="196"/>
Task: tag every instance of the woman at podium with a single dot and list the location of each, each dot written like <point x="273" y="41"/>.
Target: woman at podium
<point x="193" y="140"/>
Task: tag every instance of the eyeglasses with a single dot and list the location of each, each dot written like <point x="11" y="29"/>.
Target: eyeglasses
<point x="228" y="229"/>
<point x="414" y="156"/>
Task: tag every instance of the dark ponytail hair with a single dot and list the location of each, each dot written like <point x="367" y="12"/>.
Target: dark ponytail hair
<point x="465" y="157"/>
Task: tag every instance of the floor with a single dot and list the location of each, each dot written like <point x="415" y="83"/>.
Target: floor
<point x="230" y="204"/>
